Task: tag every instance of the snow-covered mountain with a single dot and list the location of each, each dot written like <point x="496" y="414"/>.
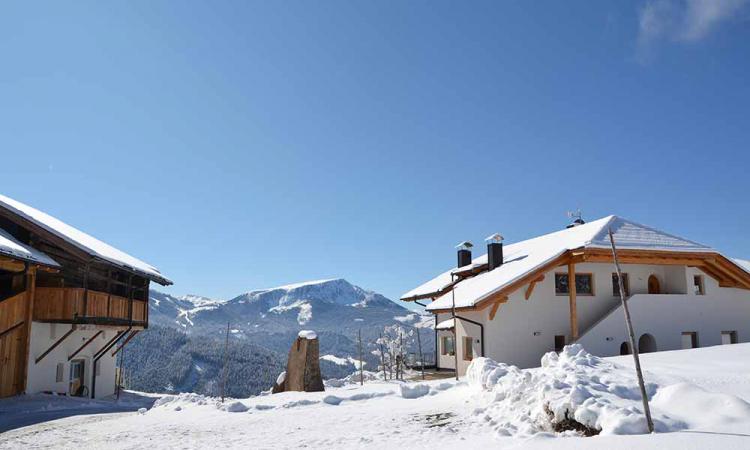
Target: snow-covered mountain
<point x="324" y="305"/>
<point x="263" y="324"/>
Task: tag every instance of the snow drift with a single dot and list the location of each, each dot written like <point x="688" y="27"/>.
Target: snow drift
<point x="578" y="393"/>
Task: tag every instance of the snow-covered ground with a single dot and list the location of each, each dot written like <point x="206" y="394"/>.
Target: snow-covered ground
<point x="699" y="395"/>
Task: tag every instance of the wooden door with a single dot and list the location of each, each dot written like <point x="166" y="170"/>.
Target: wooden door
<point x="11" y="361"/>
<point x="76" y="376"/>
<point x="653" y="285"/>
<point x="12" y="344"/>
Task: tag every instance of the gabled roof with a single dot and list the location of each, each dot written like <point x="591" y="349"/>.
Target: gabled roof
<point x="9" y="246"/>
<point x="525" y="257"/>
<point x="84" y="242"/>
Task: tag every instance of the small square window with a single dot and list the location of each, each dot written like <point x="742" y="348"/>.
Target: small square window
<point x="616" y="285"/>
<point x="728" y="337"/>
<point x="447" y="347"/>
<point x="584" y="284"/>
<point x="689" y="339"/>
<point x="698" y="287"/>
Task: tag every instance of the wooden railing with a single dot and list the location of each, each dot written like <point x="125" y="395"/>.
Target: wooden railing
<point x="74" y="305"/>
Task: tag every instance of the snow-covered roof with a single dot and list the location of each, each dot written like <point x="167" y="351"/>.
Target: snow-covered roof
<point x="81" y="240"/>
<point x="524" y="257"/>
<point x="745" y="264"/>
<point x="11" y="247"/>
<point x="446" y="325"/>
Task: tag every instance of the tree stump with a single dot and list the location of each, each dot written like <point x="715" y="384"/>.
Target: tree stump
<point x="303" y="366"/>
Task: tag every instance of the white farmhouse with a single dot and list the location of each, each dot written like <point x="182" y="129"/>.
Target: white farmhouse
<point x="516" y="303"/>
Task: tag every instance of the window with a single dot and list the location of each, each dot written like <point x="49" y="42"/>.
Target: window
<point x="468" y="350"/>
<point x="728" y="337"/>
<point x="11" y="284"/>
<point x="559" y="343"/>
<point x="59" y="374"/>
<point x="448" y="347"/>
<point x="689" y="339"/>
<point x="584" y="284"/>
<point x="616" y="285"/>
<point x="698" y="288"/>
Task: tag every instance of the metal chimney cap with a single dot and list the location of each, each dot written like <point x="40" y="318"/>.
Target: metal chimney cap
<point x="497" y="237"/>
<point x="465" y="245"/>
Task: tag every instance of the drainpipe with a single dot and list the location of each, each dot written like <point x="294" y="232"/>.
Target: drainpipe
<point x="437" y="360"/>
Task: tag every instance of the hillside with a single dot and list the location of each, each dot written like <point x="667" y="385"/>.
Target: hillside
<point x="181" y="350"/>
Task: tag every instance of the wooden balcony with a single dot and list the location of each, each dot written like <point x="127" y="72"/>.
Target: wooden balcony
<point x="74" y="305"/>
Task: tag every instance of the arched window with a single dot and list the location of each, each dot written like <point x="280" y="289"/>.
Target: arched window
<point x="646" y="343"/>
<point x="625" y="348"/>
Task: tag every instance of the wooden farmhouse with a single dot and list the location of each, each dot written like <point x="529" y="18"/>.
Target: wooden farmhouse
<point x="519" y="301"/>
<point x="68" y="304"/>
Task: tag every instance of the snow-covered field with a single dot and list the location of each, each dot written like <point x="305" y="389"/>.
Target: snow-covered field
<point x="700" y="401"/>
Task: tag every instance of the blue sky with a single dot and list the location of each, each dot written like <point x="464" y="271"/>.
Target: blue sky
<point x="240" y="145"/>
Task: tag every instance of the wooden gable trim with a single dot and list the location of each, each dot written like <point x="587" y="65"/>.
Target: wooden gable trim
<point x="523" y="281"/>
<point x="530" y="289"/>
<point x="496" y="305"/>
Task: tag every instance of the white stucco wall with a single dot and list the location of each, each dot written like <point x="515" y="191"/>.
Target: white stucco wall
<point x="523" y="330"/>
<point x="666" y="317"/>
<point x="42" y="376"/>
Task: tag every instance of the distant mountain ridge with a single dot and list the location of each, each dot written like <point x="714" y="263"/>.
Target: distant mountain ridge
<point x="323" y="305"/>
<point x="263" y="323"/>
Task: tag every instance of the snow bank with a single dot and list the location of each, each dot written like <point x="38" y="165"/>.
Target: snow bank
<point x="571" y="392"/>
<point x="307" y="334"/>
<point x="414" y="390"/>
<point x="353" y="378"/>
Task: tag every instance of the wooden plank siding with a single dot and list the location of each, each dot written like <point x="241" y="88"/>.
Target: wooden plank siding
<point x="67" y="305"/>
<point x="12" y="340"/>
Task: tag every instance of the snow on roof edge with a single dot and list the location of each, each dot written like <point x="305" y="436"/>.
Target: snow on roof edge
<point x="12" y="248"/>
<point x="82" y="240"/>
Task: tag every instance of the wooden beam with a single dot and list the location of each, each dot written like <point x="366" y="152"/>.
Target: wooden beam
<point x="127" y="339"/>
<point x="530" y="289"/>
<point x="496" y="305"/>
<point x="91" y="339"/>
<point x="106" y="347"/>
<point x="572" y="301"/>
<point x="4" y="332"/>
<point x="31" y="292"/>
<point x="53" y="346"/>
<point x="11" y="265"/>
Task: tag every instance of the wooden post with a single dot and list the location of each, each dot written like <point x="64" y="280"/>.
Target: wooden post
<point x="86" y="291"/>
<point x="400" y="359"/>
<point x="382" y="356"/>
<point x="631" y="335"/>
<point x="224" y="371"/>
<point x="572" y="301"/>
<point x="455" y="330"/>
<point x="30" y="292"/>
<point x="361" y="373"/>
<point x="130" y="299"/>
<point x="421" y="355"/>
